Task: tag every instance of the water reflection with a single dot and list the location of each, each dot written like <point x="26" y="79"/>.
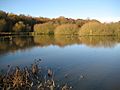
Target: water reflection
<point x="100" y="41"/>
<point x="70" y="56"/>
<point x="63" y="40"/>
<point x="13" y="43"/>
<point x="44" y="40"/>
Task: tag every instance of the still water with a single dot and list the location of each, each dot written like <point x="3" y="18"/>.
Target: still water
<point x="96" y="58"/>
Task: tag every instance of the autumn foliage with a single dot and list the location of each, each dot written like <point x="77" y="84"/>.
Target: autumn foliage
<point x="13" y="23"/>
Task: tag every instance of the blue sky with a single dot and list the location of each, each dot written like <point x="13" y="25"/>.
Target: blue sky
<point x="103" y="10"/>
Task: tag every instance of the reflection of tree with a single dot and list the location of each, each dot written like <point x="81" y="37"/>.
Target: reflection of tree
<point x="60" y="40"/>
<point x="19" y="42"/>
<point x="64" y="40"/>
<point x="12" y="44"/>
<point x="15" y="43"/>
<point x="23" y="41"/>
<point x="44" y="40"/>
<point x="99" y="41"/>
<point x="4" y="44"/>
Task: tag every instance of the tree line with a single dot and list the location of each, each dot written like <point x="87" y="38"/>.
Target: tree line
<point x="13" y="23"/>
<point x="10" y="22"/>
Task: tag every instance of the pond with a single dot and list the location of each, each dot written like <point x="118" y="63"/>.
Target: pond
<point x="90" y="63"/>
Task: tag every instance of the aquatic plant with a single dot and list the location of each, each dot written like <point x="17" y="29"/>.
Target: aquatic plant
<point x="29" y="78"/>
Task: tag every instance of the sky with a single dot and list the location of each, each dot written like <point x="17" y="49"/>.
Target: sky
<point x="103" y="10"/>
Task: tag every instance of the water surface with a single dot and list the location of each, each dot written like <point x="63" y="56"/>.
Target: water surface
<point x="96" y="58"/>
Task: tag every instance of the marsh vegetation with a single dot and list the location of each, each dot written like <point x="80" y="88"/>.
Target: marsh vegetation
<point x="30" y="78"/>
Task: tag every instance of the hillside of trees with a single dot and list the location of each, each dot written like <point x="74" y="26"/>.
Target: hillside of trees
<point x="20" y="24"/>
<point x="10" y="22"/>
